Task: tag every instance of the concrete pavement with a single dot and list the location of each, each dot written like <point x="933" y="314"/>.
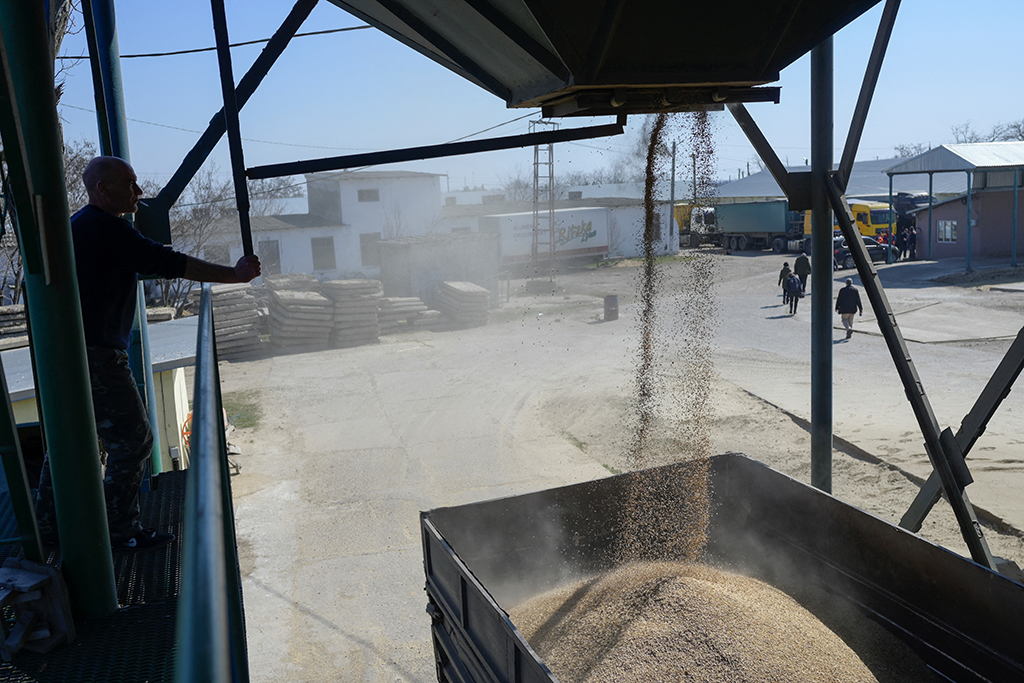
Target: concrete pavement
<point x="956" y="337"/>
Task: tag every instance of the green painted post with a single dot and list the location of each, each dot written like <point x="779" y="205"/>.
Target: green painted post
<point x="892" y="235"/>
<point x="58" y="343"/>
<point x="822" y="125"/>
<point x="931" y="227"/>
<point x="969" y="269"/>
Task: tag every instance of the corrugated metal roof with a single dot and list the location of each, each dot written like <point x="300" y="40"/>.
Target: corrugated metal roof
<point x="868" y="179"/>
<point x="974" y="156"/>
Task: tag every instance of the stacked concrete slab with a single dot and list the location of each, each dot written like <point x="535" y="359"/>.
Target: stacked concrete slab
<point x="299" y="321"/>
<point x="464" y="303"/>
<point x="12" y="321"/>
<point x="235" y="321"/>
<point x="397" y="312"/>
<point x="435" y="321"/>
<point x="355" y="311"/>
<point x="300" y="318"/>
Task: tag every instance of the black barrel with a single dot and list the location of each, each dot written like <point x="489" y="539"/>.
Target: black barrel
<point x="611" y="307"/>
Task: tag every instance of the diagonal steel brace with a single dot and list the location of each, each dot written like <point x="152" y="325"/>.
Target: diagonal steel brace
<point x="972" y="427"/>
<point x="940" y="453"/>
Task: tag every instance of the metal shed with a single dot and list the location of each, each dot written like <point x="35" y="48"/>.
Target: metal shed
<point x="987" y="165"/>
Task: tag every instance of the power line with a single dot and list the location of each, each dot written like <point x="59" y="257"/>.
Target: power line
<point x="189" y="130"/>
<point x="212" y="49"/>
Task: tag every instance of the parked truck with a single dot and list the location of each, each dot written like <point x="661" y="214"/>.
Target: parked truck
<point x="579" y="234"/>
<point x="759" y="225"/>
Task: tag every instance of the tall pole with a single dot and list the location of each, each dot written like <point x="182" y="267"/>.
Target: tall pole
<point x="672" y="194"/>
<point x="931" y="202"/>
<point x="58" y="342"/>
<point x="892" y="233"/>
<point x="1013" y="242"/>
<point x="969" y="269"/>
<point x="822" y="120"/>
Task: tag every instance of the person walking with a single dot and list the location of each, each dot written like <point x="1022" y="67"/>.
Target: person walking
<point x="802" y="268"/>
<point x="783" y="275"/>
<point x="794" y="290"/>
<point x="912" y="244"/>
<point x="848" y="303"/>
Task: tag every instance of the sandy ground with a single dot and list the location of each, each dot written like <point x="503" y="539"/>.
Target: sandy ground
<point x="353" y="443"/>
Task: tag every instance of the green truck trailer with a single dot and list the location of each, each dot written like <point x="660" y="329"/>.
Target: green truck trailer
<point x="760" y="225"/>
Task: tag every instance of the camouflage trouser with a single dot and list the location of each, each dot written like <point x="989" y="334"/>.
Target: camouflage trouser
<point x="122" y="423"/>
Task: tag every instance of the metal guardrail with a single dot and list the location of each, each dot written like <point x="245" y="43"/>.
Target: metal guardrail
<point x="210" y="636"/>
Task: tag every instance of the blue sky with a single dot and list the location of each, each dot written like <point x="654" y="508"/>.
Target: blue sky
<point x="363" y="91"/>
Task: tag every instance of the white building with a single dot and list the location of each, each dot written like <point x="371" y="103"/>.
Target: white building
<point x="349" y="212"/>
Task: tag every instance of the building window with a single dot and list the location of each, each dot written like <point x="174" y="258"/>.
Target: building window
<point x="270" y="257"/>
<point x="323" y="253"/>
<point x="369" y="248"/>
<point x="217" y="253"/>
<point x="945" y="231"/>
<point x="369" y="195"/>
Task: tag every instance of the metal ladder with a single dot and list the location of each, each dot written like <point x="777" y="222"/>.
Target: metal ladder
<point x="543" y="246"/>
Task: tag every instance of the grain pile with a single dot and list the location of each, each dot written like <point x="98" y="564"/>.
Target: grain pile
<point x="464" y="303"/>
<point x="235" y="322"/>
<point x="666" y="621"/>
<point x="355" y="311"/>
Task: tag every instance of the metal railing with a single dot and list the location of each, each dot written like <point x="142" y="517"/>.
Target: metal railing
<point x="210" y="629"/>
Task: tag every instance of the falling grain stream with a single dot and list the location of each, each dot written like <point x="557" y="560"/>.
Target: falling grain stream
<point x="663" y="614"/>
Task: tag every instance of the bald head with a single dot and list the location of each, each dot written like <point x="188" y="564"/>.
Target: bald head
<point x="111" y="185"/>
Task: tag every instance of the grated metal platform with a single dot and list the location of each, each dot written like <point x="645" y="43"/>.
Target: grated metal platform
<point x="136" y="643"/>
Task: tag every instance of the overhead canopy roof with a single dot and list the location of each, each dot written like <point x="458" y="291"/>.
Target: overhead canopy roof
<point x="577" y="57"/>
<point x="974" y="156"/>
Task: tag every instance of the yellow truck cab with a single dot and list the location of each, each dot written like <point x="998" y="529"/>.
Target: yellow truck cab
<point x="871" y="218"/>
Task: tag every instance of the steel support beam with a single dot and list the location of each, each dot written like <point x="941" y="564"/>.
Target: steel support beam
<point x="199" y="153"/>
<point x="1013" y="241"/>
<point x="972" y="427"/>
<point x="761" y="145"/>
<point x="822" y="121"/>
<point x="931" y="225"/>
<point x="227" y="84"/>
<point x="943" y="459"/>
<point x="435" y="151"/>
<point x="867" y="90"/>
<point x="58" y="343"/>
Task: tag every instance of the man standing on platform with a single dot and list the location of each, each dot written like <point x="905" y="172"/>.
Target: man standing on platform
<point x="110" y="254"/>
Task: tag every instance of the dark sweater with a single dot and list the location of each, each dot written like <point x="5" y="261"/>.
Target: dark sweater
<point x="109" y="255"/>
<point x="848" y="301"/>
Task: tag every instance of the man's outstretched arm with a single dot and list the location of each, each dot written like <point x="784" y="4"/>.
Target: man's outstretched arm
<point x="246" y="269"/>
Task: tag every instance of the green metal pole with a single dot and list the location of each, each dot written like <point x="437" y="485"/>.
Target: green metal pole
<point x="104" y="56"/>
<point x="969" y="269"/>
<point x="892" y="236"/>
<point x="822" y="122"/>
<point x="1013" y="242"/>
<point x="931" y="202"/>
<point x="58" y="342"/>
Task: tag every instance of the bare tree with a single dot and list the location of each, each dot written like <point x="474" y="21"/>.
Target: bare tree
<point x="394" y="224"/>
<point x="910" y="149"/>
<point x="266" y="195"/>
<point x="516" y="185"/>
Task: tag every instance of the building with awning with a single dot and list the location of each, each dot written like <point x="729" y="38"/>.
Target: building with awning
<point x="983" y="220"/>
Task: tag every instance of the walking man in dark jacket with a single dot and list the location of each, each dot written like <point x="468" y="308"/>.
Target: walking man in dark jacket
<point x="848" y="303"/>
<point x="802" y="268"/>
